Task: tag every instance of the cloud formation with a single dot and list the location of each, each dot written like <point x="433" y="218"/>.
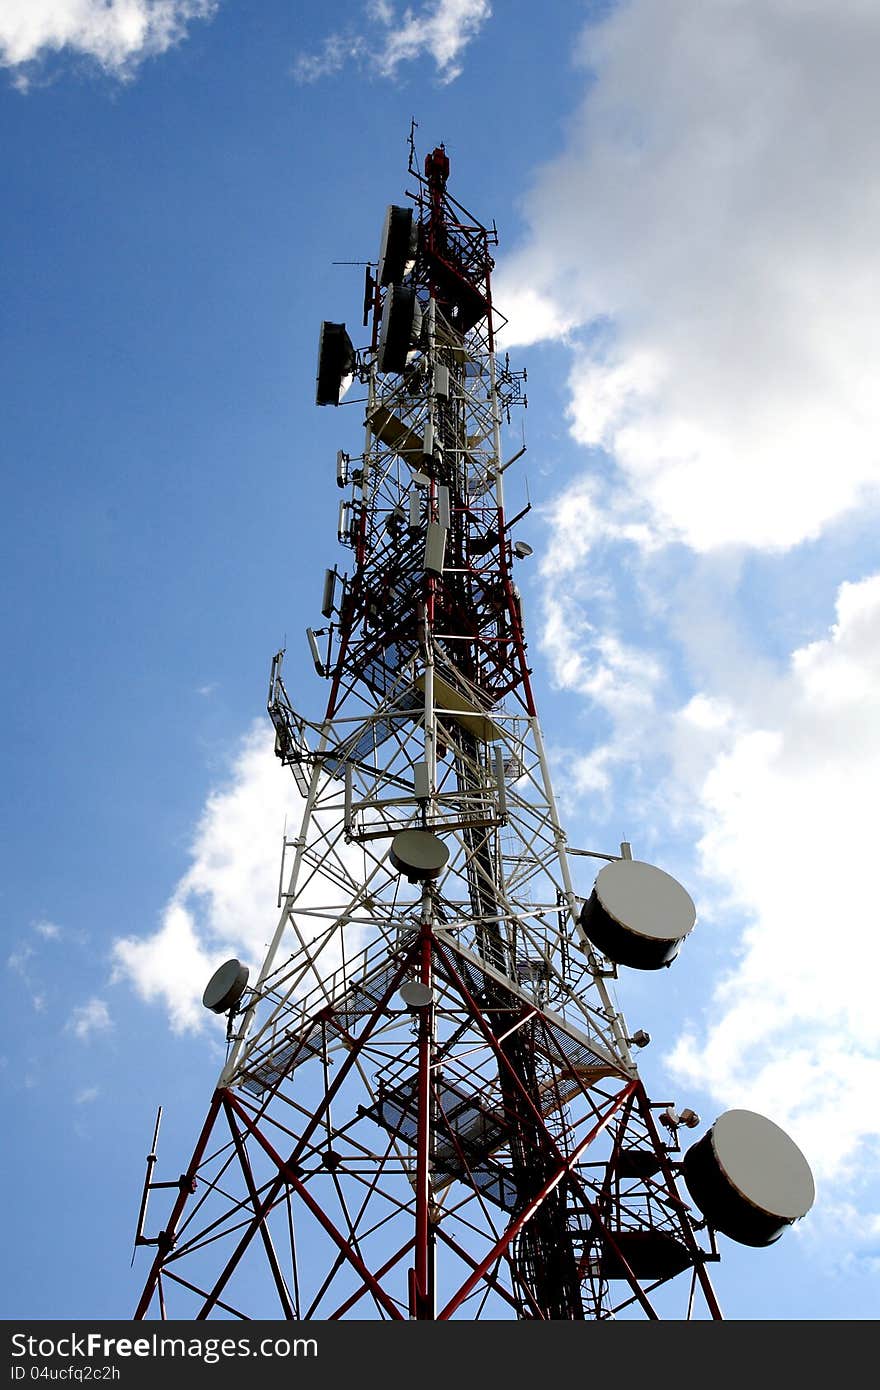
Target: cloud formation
<point x="225" y="904"/>
<point x="91" y="1017"/>
<point x="25" y="955"/>
<point x="704" y="248"/>
<point x="440" y="31"/>
<point x="117" y="34"/>
<point x="707" y="244"/>
<point x="773" y="768"/>
<point x="789" y="809"/>
<point x="50" y="931"/>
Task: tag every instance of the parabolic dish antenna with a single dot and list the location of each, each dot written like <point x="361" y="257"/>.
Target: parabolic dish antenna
<point x="225" y="987"/>
<point x="418" y="854"/>
<point x="415" y="995"/>
<point x="749" y="1179"/>
<point x="638" y="915"/>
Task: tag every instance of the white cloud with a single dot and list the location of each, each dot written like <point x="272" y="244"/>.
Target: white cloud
<point x="91" y="1017"/>
<point x="780" y="766"/>
<point x="24" y="955"/>
<point x="225" y="904"/>
<point x="789" y="806"/>
<point x="713" y="224"/>
<point x="440" y="31"/>
<point x="118" y="34"/>
<point x="18" y="959"/>
<point x="531" y="316"/>
<point x="335" y="51"/>
<point x="623" y="682"/>
<point x="841" y="1237"/>
<point x="86" y="1095"/>
<point x="49" y="931"/>
<point x="618" y="678"/>
<point x="172" y="965"/>
<point x="582" y="522"/>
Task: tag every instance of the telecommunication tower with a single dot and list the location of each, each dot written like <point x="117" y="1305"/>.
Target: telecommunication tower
<point x="431" y="1107"/>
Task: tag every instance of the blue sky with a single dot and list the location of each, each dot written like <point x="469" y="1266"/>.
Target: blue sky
<point x="686" y="199"/>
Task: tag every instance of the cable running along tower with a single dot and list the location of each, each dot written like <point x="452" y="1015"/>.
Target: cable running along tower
<point x="431" y="1107"/>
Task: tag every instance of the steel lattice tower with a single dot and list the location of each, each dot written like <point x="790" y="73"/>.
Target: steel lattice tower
<point x="430" y="1107"/>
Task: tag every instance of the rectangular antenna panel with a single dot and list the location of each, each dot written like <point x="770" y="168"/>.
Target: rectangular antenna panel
<point x="435" y="547"/>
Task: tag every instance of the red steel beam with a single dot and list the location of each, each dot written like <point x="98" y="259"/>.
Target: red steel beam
<point x="422" y="1290"/>
<point x="525" y="1215"/>
<point x="177" y="1210"/>
<point x="315" y="1120"/>
<point x="287" y="1174"/>
<point x="245" y="1163"/>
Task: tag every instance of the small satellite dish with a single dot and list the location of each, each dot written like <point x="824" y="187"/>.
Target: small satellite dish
<point x="418" y="854"/>
<point x="637" y="915"/>
<point x="749" y="1179"/>
<point x="415" y="995"/>
<point x="397" y="248"/>
<point x="522" y="550"/>
<point x="225" y="987"/>
<point x="400" y="327"/>
<point x="336" y="360"/>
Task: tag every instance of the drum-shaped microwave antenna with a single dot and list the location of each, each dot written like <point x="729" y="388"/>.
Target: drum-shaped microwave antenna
<point x="400" y="327"/>
<point x="415" y="995"/>
<point x="397" y="249"/>
<point x="225" y="987"/>
<point x="637" y="915"/>
<point x="749" y="1179"/>
<point x="336" y="359"/>
<point x="418" y="854"/>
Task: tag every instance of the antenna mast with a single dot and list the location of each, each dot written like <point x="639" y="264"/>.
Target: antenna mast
<point x="431" y="1107"/>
